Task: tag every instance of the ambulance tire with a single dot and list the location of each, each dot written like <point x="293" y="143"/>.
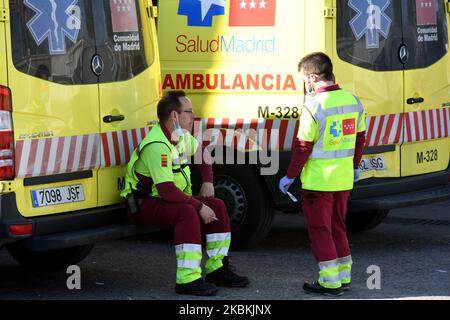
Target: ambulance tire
<point x="247" y="202"/>
<point x="48" y="260"/>
<point x="363" y="221"/>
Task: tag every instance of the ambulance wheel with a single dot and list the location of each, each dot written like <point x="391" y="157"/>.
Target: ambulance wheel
<point x="363" y="221"/>
<point x="52" y="259"/>
<point x="247" y="202"/>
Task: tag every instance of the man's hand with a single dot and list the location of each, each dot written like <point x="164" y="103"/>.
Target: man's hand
<point x="207" y="214"/>
<point x="207" y="190"/>
<point x="356" y="177"/>
<point x="285" y="184"/>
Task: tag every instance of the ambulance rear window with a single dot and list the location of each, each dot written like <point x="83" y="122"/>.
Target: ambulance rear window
<point x="371" y="32"/>
<point x="57" y="40"/>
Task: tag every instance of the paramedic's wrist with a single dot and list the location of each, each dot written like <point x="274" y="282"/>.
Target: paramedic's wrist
<point x="196" y="204"/>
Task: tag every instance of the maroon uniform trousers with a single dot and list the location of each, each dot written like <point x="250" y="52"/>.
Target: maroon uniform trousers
<point x="325" y="214"/>
<point x="183" y="217"/>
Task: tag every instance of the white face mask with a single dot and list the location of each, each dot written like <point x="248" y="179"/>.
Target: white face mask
<point x="178" y="130"/>
<point x="311" y="91"/>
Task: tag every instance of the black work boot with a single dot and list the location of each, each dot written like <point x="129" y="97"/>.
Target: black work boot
<point x="315" y="287"/>
<point x="225" y="276"/>
<point x="197" y="288"/>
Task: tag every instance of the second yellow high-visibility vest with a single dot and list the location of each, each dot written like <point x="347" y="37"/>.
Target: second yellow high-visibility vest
<point x="160" y="160"/>
<point x="331" y="120"/>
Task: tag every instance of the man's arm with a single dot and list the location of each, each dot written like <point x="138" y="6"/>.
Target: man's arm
<point x="360" y="142"/>
<point x="157" y="158"/>
<point x="301" y="151"/>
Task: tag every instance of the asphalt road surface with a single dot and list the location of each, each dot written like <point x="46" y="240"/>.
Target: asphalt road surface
<point x="410" y="249"/>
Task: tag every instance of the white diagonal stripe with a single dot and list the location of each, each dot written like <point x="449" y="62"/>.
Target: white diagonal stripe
<point x="383" y="130"/>
<point x="52" y="158"/>
<point x="77" y="154"/>
<point x="98" y="152"/>
<point x="188" y="247"/>
<point x="38" y="158"/>
<point x="112" y="155"/>
<point x="374" y="131"/>
<point x="212" y="237"/>
<point x="24" y="158"/>
<point x="442" y="122"/>
<point x="428" y="124"/>
<point x="131" y="145"/>
<point x="435" y="123"/>
<point x="89" y="150"/>
<point x="121" y="148"/>
<point x="65" y="154"/>
<point x="412" y="127"/>
<point x="394" y="129"/>
<point x="420" y="120"/>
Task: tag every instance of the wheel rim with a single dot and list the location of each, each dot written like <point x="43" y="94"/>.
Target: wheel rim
<point x="231" y="193"/>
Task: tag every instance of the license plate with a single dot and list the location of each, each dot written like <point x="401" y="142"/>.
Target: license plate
<point x="57" y="195"/>
<point x="372" y="163"/>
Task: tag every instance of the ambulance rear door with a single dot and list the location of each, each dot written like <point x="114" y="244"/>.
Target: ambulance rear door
<point x="368" y="35"/>
<point x="55" y="111"/>
<point x="129" y="75"/>
<point x="427" y="88"/>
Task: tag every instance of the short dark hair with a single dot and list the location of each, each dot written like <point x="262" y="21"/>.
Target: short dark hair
<point x="168" y="103"/>
<point x="318" y="63"/>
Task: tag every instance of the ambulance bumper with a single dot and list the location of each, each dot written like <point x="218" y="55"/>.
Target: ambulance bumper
<point x="66" y="229"/>
<point x="386" y="194"/>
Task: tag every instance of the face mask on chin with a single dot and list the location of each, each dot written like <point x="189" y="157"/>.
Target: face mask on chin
<point x="178" y="130"/>
<point x="311" y="91"/>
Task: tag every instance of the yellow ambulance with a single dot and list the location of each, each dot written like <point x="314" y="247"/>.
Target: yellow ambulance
<point x="79" y="82"/>
<point x="237" y="60"/>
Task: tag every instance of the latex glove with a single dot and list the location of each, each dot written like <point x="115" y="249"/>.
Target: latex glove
<point x="207" y="190"/>
<point x="285" y="184"/>
<point x="356" y="175"/>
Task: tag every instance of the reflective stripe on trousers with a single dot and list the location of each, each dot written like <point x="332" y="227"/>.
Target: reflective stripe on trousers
<point x="189" y="257"/>
<point x="329" y="274"/>
<point x="217" y="245"/>
<point x="345" y="269"/>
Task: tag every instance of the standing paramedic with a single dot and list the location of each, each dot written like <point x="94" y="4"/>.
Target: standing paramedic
<point x="159" y="177"/>
<point x="327" y="153"/>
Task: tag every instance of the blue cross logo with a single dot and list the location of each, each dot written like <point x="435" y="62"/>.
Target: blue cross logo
<point x="200" y="13"/>
<point x="336" y="129"/>
<point x="55" y="20"/>
<point x="370" y="20"/>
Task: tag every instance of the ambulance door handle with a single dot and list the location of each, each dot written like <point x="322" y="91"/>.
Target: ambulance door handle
<point x="415" y="100"/>
<point x="110" y="118"/>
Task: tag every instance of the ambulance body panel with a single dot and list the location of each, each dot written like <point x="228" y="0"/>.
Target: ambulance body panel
<point x="238" y="60"/>
<point x="83" y="79"/>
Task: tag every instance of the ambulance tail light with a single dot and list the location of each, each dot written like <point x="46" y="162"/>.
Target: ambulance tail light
<point x="6" y="136"/>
